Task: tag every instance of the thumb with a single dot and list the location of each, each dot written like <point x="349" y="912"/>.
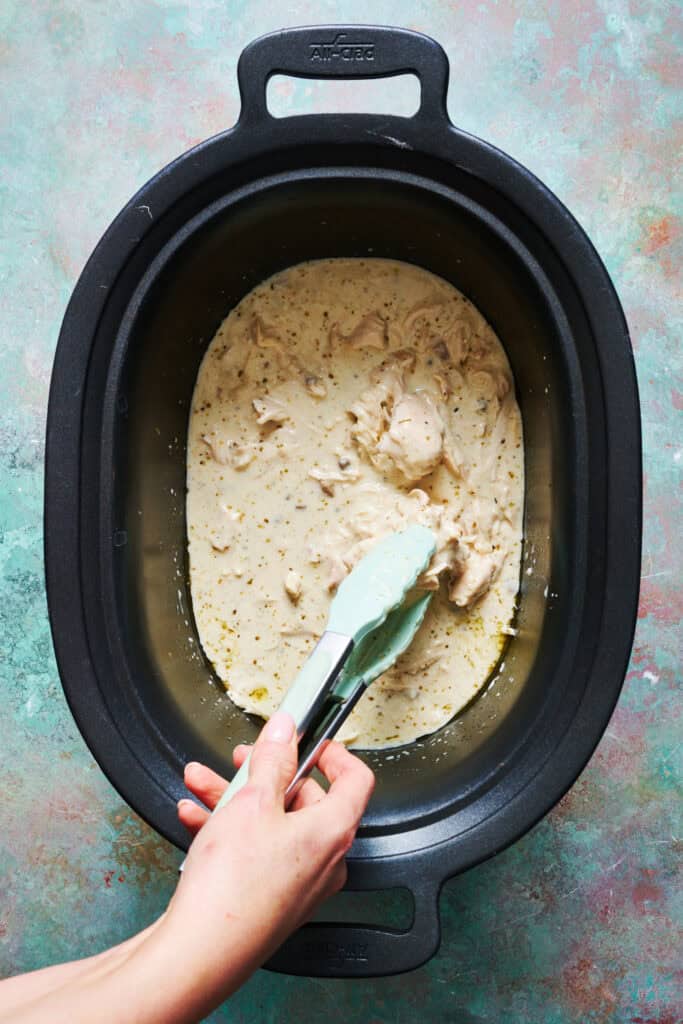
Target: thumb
<point x="273" y="758"/>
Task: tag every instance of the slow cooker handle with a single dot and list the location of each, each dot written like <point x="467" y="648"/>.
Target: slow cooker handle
<point x="343" y="950"/>
<point x="343" y="51"/>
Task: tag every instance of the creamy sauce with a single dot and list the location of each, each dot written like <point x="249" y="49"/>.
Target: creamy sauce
<point x="340" y="400"/>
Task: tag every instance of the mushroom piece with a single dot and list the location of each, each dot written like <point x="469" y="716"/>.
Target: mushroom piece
<point x="315" y="385"/>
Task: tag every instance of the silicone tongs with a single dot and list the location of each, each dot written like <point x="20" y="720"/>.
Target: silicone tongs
<point x="370" y="624"/>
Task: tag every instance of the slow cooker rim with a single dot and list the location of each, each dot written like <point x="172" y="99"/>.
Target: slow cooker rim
<point x="112" y="252"/>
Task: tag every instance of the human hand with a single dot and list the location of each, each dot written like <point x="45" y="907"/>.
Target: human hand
<point x="254" y="872"/>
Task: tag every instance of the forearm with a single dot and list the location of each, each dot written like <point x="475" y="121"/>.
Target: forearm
<point x="174" y="972"/>
<point x="235" y="903"/>
<point x="160" y="977"/>
<point x="24" y="989"/>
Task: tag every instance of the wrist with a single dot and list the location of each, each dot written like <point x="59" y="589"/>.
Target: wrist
<point x="196" y="963"/>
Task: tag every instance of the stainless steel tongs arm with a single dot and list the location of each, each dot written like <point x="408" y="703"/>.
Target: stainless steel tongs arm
<point x="337" y="713"/>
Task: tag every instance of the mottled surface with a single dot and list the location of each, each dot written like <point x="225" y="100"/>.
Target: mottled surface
<point x="577" y="922"/>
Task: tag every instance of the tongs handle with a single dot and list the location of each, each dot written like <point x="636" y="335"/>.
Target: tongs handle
<point x="337" y="715"/>
<point x="306" y="699"/>
<point x="308" y="695"/>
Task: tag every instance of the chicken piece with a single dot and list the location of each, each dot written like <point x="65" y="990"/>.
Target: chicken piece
<point x="479" y="346"/>
<point x="440" y="349"/>
<point x="420" y="496"/>
<point x="293" y="586"/>
<point x="480" y="572"/>
<point x="417" y="667"/>
<point x="336" y="571"/>
<point x="327" y="478"/>
<point x="458" y="340"/>
<point x="369" y="332"/>
<point x="228" y="452"/>
<point x="404" y="358"/>
<point x="221" y="533"/>
<point x="429" y="580"/>
<point x="447" y="560"/>
<point x="444" y="385"/>
<point x="442" y="326"/>
<point x="266" y="337"/>
<point x="396" y="681"/>
<point x="239" y="456"/>
<point x="269" y="410"/>
<point x="413" y="442"/>
<point x="372" y="410"/>
<point x="218" y="542"/>
<point x="483" y="384"/>
<point x="359" y="550"/>
<point x="453" y="458"/>
<point x="318" y="547"/>
<point x="300" y="633"/>
<point x="495" y="401"/>
<point x="430" y="305"/>
<point x="503" y="384"/>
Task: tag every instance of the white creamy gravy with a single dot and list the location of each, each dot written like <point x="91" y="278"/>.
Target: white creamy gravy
<point x="340" y="400"/>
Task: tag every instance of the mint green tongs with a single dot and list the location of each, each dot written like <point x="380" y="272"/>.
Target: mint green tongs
<point x="369" y="626"/>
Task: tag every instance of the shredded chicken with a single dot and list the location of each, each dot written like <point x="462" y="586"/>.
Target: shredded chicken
<point x="266" y="337"/>
<point x="269" y="410"/>
<point x="479" y="573"/>
<point x="228" y="452"/>
<point x="327" y="478"/>
<point x="453" y="458"/>
<point x="336" y="569"/>
<point x="341" y="401"/>
<point x="395" y="429"/>
<point x="458" y="341"/>
<point x="444" y="385"/>
<point x="413" y="440"/>
<point x="369" y="332"/>
<point x="422" y="310"/>
<point x="223" y="531"/>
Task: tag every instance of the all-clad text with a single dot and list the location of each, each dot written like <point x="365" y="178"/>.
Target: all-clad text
<point x="341" y="48"/>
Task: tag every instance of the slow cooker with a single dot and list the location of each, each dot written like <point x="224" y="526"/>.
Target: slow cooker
<point x="262" y="196"/>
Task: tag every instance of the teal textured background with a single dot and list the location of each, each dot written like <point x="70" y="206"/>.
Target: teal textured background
<point x="580" y="920"/>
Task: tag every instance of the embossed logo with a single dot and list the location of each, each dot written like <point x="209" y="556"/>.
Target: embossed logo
<point x="335" y="953"/>
<point x="341" y="48"/>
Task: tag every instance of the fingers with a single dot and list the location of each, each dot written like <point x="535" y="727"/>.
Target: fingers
<point x="310" y="793"/>
<point x="351" y="783"/>
<point x="240" y="754"/>
<point x="273" y="758"/>
<point x="192" y="816"/>
<point x="206" y="784"/>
